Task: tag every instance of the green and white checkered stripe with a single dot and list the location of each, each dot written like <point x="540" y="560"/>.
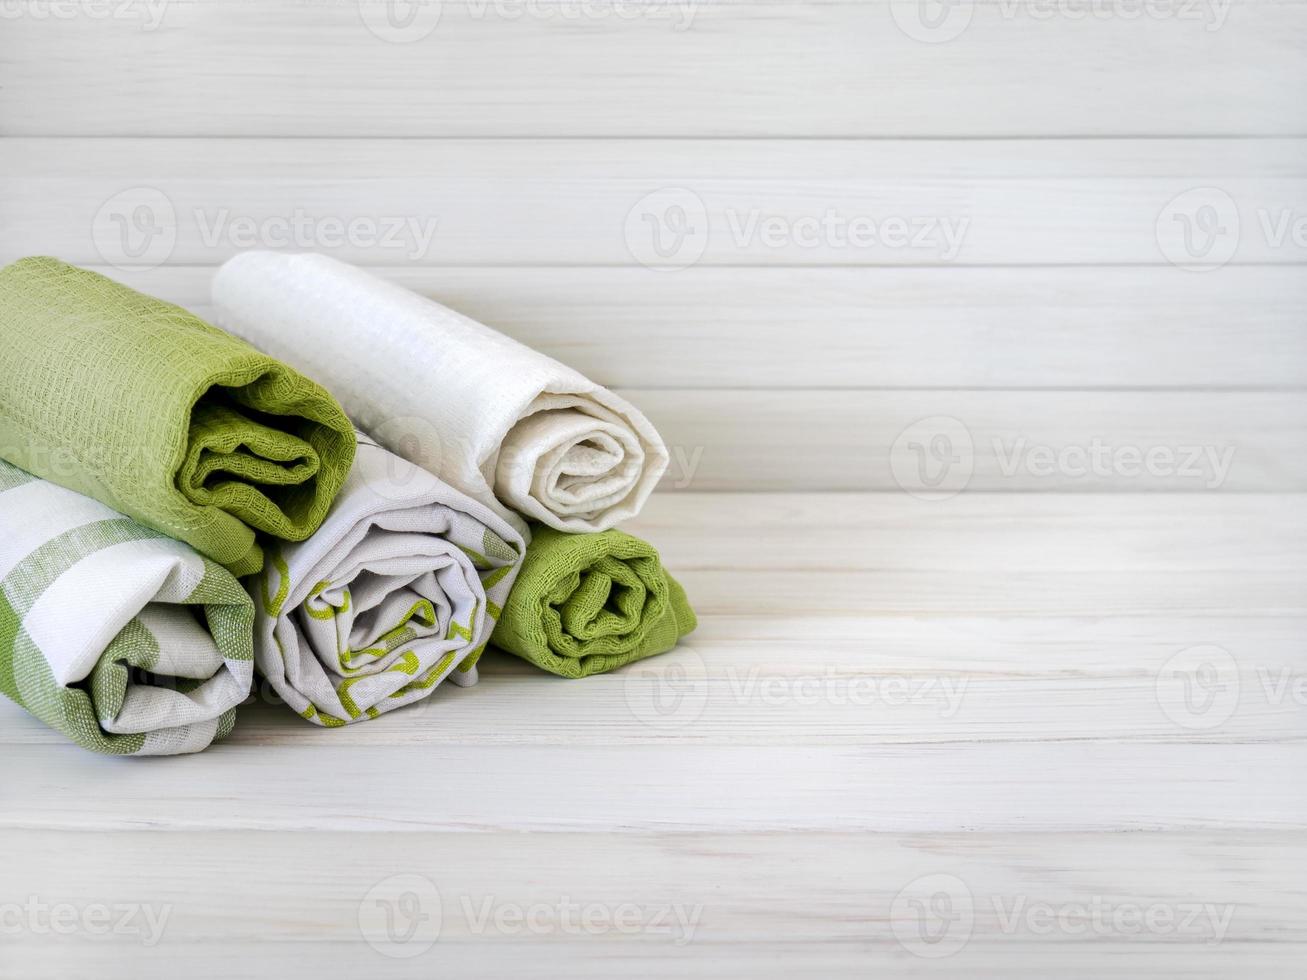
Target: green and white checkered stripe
<point x="126" y="641"/>
<point x="399" y="589"/>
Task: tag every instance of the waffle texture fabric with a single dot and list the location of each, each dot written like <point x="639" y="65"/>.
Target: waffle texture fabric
<point x="588" y="603"/>
<point x="162" y="416"/>
<point x="399" y="589"/>
<point x="506" y="425"/>
<point x="124" y="640"/>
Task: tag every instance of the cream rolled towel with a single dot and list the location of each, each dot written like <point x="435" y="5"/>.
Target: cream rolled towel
<point x="399" y="589"/>
<point x="505" y="424"/>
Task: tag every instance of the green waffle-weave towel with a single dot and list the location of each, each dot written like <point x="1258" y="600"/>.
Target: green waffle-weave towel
<point x="162" y="416"/>
<point x="587" y="603"/>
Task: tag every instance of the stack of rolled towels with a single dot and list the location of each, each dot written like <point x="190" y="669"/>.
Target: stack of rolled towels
<point x="343" y="486"/>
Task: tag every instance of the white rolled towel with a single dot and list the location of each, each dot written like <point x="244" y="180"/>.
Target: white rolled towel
<point x="398" y="590"/>
<point x="503" y="423"/>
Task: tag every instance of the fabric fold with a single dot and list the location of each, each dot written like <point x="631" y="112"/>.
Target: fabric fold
<point x="162" y="416"/>
<point x="509" y="426"/>
<point x="399" y="589"/>
<point x="588" y="603"/>
<point x="126" y="641"/>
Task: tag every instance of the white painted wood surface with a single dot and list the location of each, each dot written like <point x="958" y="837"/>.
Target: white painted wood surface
<point x="1056" y="696"/>
<point x="659" y="68"/>
<point x="608" y="201"/>
<point x="787" y="782"/>
<point x="851" y="327"/>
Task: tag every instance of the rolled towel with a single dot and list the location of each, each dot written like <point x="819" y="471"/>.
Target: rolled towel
<point x="124" y="640"/>
<point x="507" y="425"/>
<point x="162" y="416"/>
<point x="399" y="589"/>
<point x="587" y="603"/>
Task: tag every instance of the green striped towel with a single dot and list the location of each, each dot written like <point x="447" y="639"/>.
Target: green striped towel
<point x="124" y="640"/>
<point x="163" y="417"/>
<point x="587" y="603"/>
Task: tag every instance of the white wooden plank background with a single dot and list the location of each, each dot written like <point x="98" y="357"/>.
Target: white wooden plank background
<point x="1004" y="958"/>
<point x="992" y="327"/>
<point x="588" y="202"/>
<point x="748" y="887"/>
<point x="867" y="440"/>
<point x="883" y="689"/>
<point x="689" y="68"/>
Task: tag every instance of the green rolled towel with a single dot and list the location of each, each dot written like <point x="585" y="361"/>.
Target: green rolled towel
<point x="162" y="416"/>
<point x="587" y="603"/>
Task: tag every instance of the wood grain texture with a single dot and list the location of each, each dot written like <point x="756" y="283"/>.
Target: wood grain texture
<point x="989" y="328"/>
<point x="798" y="721"/>
<point x="664" y="203"/>
<point x="547" y="960"/>
<point x="1045" y="786"/>
<point x="785" y="772"/>
<point x="691" y="68"/>
<point x="922" y="442"/>
<point x="877" y="671"/>
<point x="736" y="889"/>
<point x="874" y="672"/>
<point x="979" y="532"/>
